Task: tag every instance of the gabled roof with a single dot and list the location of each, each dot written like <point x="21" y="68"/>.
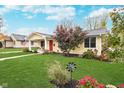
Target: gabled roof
<point x="47" y="35"/>
<point x="41" y="34"/>
<point x="97" y="32"/>
<point x="19" y="37"/>
<point x="8" y="38"/>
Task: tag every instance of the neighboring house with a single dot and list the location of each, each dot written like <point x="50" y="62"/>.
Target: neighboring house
<point x="19" y="41"/>
<point x="93" y="40"/>
<point x="5" y="41"/>
<point x="41" y="40"/>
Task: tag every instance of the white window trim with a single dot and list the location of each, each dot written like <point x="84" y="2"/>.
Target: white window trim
<point x="89" y="43"/>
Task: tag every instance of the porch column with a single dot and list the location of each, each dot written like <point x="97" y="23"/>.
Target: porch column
<point x="29" y="45"/>
<point x="45" y="43"/>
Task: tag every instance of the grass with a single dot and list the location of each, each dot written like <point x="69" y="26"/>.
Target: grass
<point x="13" y="49"/>
<point x="31" y="71"/>
<point x="10" y="49"/>
<point x="13" y="54"/>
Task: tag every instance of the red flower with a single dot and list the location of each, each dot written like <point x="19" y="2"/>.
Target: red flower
<point x="83" y="81"/>
<point x="93" y="81"/>
<point x="88" y="77"/>
<point x="101" y="86"/>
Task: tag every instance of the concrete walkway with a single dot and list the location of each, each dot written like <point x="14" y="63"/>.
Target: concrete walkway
<point x="1" y="59"/>
<point x="10" y="52"/>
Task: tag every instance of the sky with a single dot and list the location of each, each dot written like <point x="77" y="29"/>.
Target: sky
<point x="22" y="19"/>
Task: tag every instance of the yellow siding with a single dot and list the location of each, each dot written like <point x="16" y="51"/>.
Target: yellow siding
<point x="81" y="49"/>
<point x="9" y="43"/>
<point x="18" y="44"/>
<point x="35" y="37"/>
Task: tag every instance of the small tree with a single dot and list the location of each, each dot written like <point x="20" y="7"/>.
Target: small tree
<point x="69" y="37"/>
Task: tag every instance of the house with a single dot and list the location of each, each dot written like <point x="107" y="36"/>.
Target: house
<point x="19" y="41"/>
<point x="41" y="40"/>
<point x="93" y="40"/>
<point x="5" y="41"/>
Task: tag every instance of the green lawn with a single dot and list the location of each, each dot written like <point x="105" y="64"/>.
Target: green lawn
<point x="13" y="54"/>
<point x="31" y="71"/>
<point x="10" y="49"/>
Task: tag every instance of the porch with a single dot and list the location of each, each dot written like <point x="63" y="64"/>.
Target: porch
<point x="42" y="44"/>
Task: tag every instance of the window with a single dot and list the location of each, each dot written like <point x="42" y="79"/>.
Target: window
<point x="86" y="42"/>
<point x="90" y="42"/>
<point x="32" y="42"/>
<point x="93" y="42"/>
<point x="22" y="42"/>
<point x="42" y="44"/>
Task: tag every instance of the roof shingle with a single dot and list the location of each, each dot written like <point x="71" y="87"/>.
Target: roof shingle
<point x="97" y="32"/>
<point x="19" y="37"/>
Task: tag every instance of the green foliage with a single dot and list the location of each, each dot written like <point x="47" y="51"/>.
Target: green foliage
<point x="118" y="25"/>
<point x="25" y="50"/>
<point x="58" y="74"/>
<point x="115" y="55"/>
<point x="113" y="41"/>
<point x="35" y="50"/>
<point x="116" y="38"/>
<point x="89" y="54"/>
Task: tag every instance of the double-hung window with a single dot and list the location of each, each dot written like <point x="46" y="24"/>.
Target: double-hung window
<point x="90" y="42"/>
<point x="32" y="42"/>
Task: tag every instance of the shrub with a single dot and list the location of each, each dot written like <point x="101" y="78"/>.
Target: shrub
<point x="115" y="55"/>
<point x="34" y="50"/>
<point x="121" y="86"/>
<point x="104" y="56"/>
<point x="25" y="50"/>
<point x="89" y="54"/>
<point x="58" y="75"/>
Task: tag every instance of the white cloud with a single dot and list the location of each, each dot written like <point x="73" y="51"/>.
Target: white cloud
<point x="59" y="13"/>
<point x="52" y="12"/>
<point x="7" y="9"/>
<point x="27" y="30"/>
<point x="102" y="11"/>
<point x="29" y="16"/>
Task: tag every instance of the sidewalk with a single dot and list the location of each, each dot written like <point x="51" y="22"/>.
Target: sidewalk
<point x="1" y="59"/>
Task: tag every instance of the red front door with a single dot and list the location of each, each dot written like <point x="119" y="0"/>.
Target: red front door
<point x="51" y="45"/>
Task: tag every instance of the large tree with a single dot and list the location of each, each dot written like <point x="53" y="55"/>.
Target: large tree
<point x="96" y="22"/>
<point x="117" y="33"/>
<point x="68" y="37"/>
<point x="116" y="38"/>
